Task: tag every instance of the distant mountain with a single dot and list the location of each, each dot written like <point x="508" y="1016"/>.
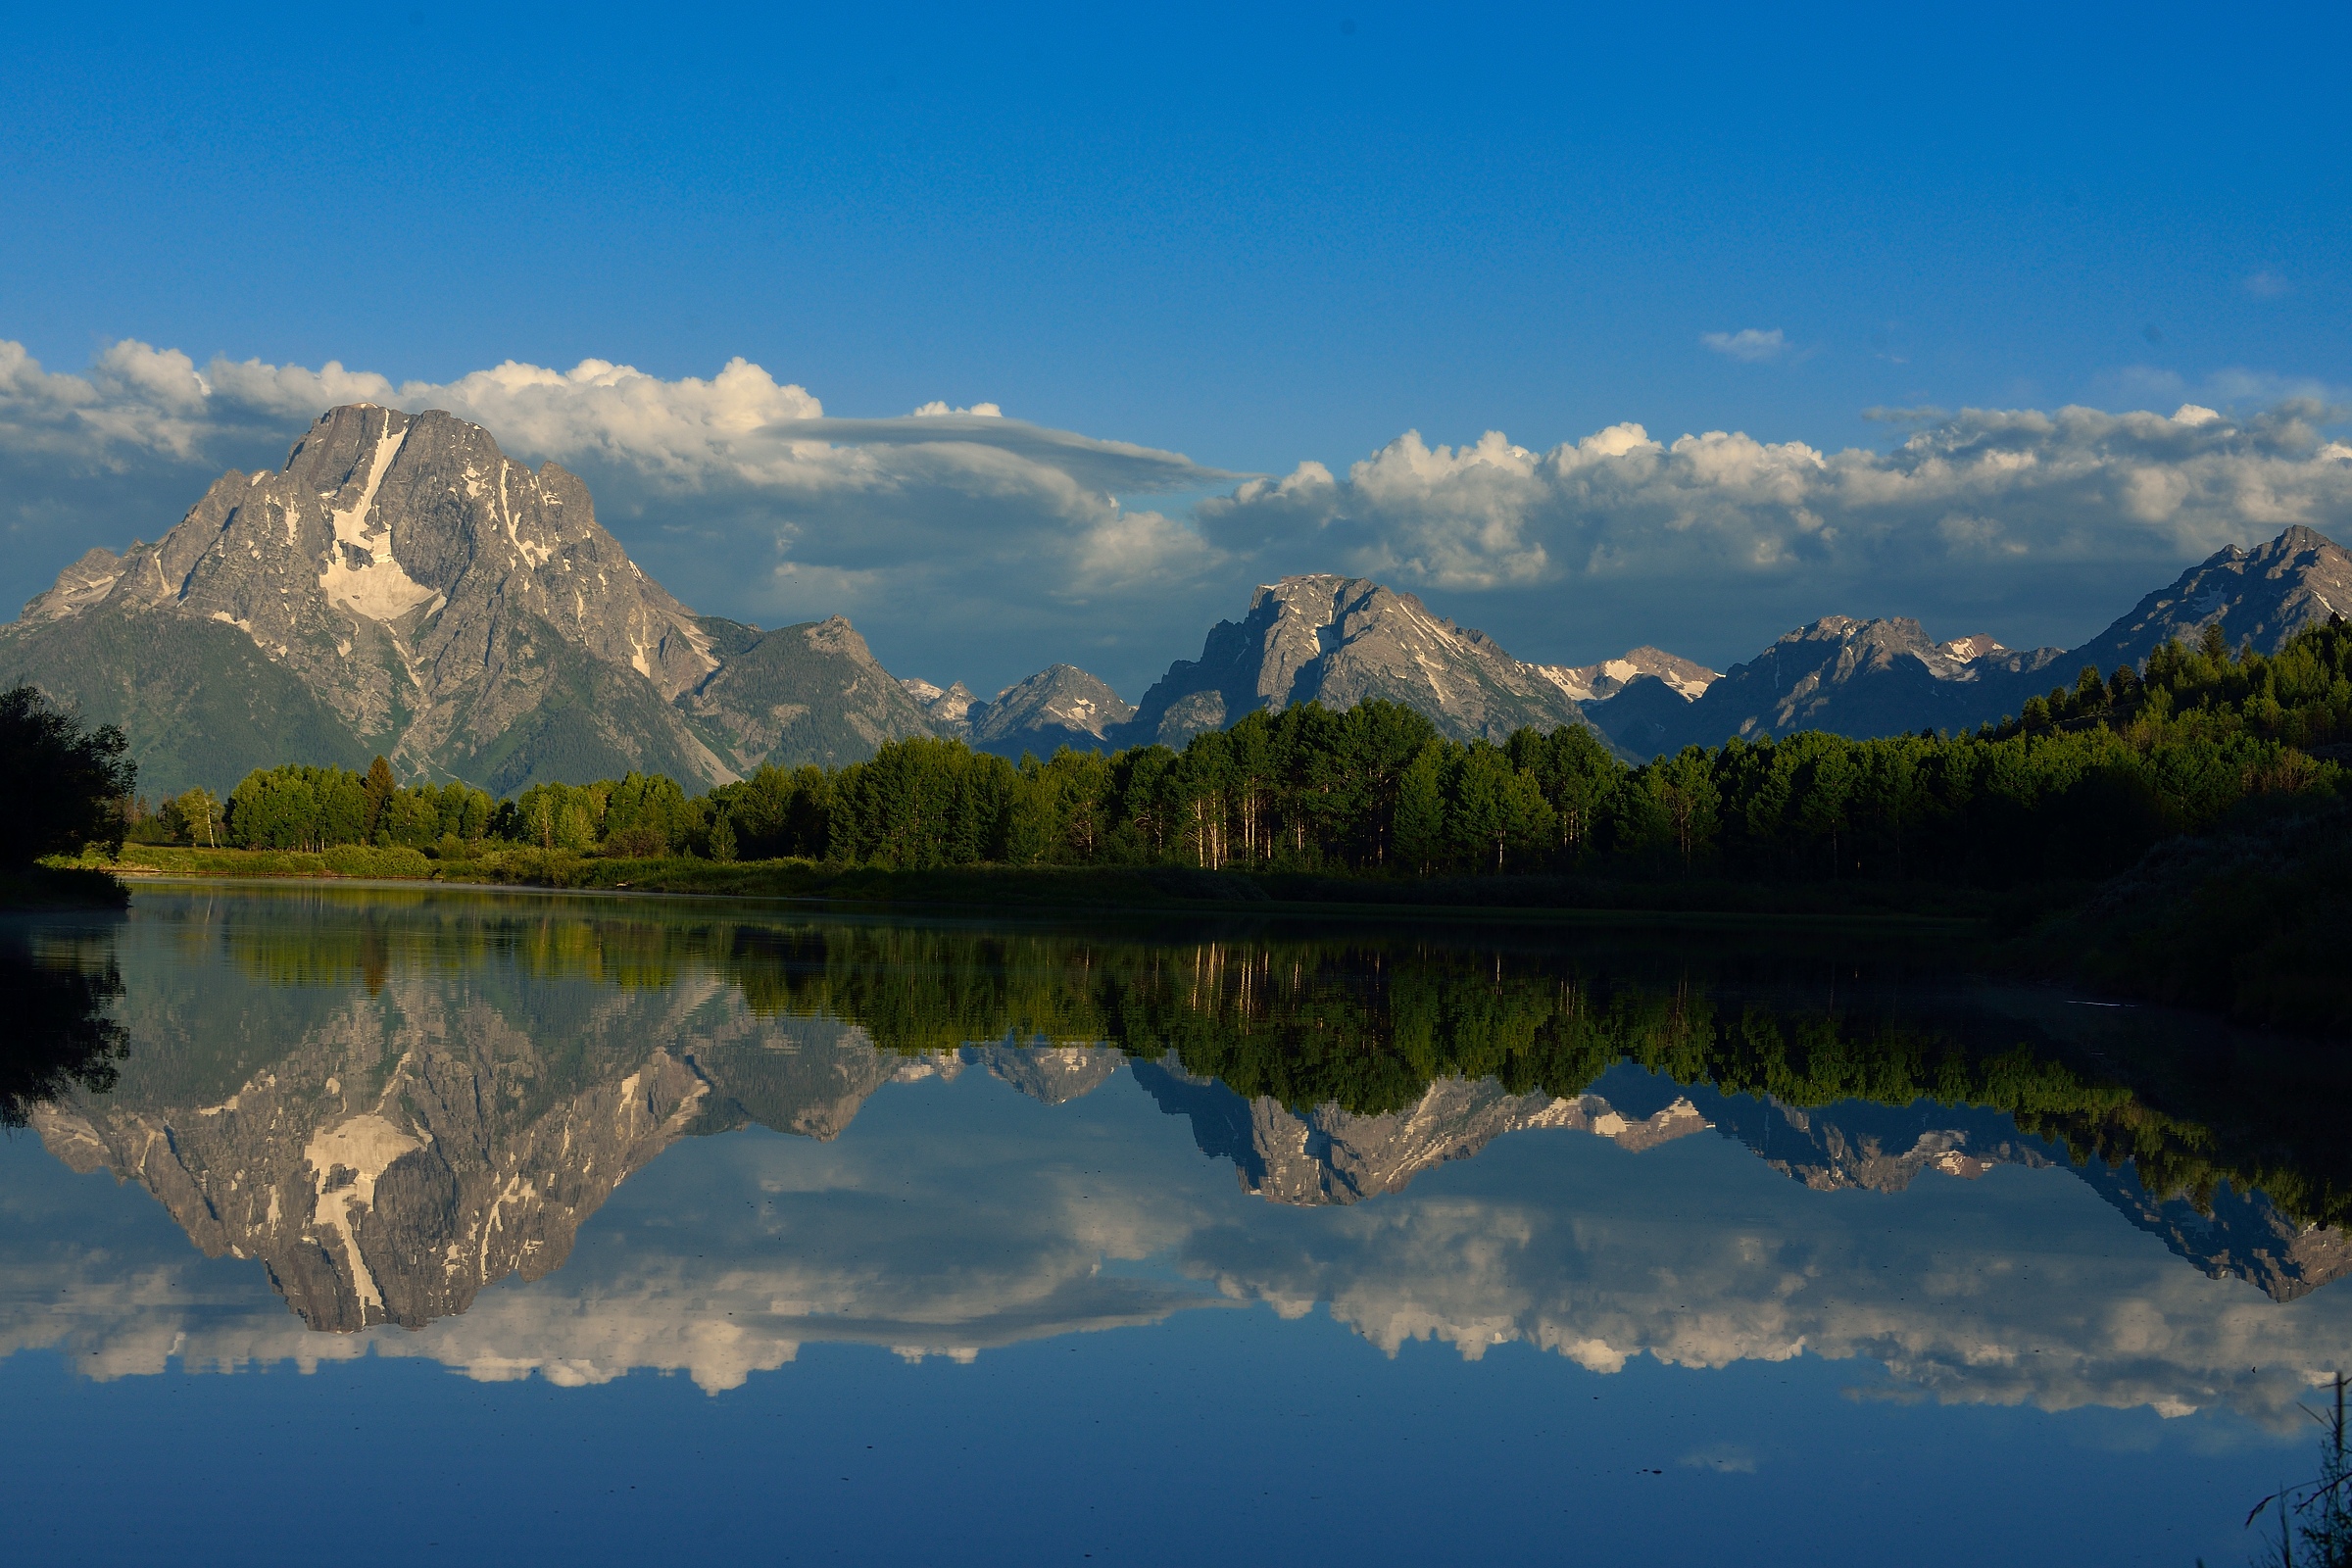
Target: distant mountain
<point x="1853" y="677"/>
<point x="1589" y="683"/>
<point x="1341" y="641"/>
<point x="948" y="711"/>
<point x="1885" y="678"/>
<point x="2263" y="596"/>
<point x="1060" y="705"/>
<point x="400" y="585"/>
<point x="810" y="693"/>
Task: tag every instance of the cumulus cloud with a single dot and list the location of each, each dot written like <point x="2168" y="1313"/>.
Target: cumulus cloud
<point x="737" y="491"/>
<point x="1963" y="496"/>
<point x="973" y="545"/>
<point x="1747" y="345"/>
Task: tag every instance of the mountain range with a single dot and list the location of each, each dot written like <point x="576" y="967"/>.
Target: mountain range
<point x="402" y="586"/>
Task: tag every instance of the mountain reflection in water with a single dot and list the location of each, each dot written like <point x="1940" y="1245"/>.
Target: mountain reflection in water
<point x="391" y="1101"/>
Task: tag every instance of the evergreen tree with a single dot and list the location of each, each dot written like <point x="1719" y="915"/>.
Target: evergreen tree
<point x="377" y="793"/>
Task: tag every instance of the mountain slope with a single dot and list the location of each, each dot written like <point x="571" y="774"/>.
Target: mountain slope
<point x="1058" y="706"/>
<point x="1341" y="641"/>
<point x="1589" y="683"/>
<point x="1850" y="677"/>
<point x="810" y="693"/>
<point x="2264" y="595"/>
<point x="400" y="585"/>
<point x="1883" y="677"/>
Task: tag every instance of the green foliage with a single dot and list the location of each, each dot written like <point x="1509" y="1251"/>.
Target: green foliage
<point x="2077" y="789"/>
<point x="1368" y="1024"/>
<point x="64" y="785"/>
<point x="315" y="808"/>
<point x="649" y="818"/>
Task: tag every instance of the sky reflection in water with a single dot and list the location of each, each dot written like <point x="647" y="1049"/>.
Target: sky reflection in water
<point x="552" y="1145"/>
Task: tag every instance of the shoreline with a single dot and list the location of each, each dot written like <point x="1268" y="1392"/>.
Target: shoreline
<point x="1935" y="912"/>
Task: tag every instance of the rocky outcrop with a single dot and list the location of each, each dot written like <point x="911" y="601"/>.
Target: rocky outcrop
<point x="1059" y="706"/>
<point x="1592" y="683"/>
<point x="1850" y="677"/>
<point x="2263" y="596"/>
<point x="402" y="586"/>
<point x="1340" y="641"/>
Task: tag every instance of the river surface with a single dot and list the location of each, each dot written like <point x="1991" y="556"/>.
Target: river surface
<point x="416" y="1226"/>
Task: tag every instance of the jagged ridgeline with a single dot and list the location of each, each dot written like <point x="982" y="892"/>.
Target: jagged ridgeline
<point x="402" y="586"/>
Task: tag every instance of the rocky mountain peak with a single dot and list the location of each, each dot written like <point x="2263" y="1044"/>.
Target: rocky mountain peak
<point x="400" y="585"/>
<point x="947" y="708"/>
<point x="1341" y="641"/>
<point x="2263" y="596"/>
<point x="1586" y="683"/>
<point x="1880" y="676"/>
<point x="1058" y="706"/>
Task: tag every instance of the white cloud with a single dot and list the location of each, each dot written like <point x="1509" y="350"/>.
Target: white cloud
<point x="969" y="545"/>
<point x="737" y="491"/>
<point x="2266" y="286"/>
<point x="1747" y="345"/>
<point x="1620" y="509"/>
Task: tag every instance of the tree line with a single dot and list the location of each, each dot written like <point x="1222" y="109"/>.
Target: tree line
<point x="2077" y="786"/>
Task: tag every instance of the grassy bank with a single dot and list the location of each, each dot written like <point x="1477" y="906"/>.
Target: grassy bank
<point x="1695" y="901"/>
<point x="344" y="859"/>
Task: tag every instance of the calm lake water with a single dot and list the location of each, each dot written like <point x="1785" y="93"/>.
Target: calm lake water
<point x="420" y="1226"/>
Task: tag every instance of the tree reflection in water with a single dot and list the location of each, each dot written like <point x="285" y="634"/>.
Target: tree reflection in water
<point x="56" y="1032"/>
<point x="395" y="1099"/>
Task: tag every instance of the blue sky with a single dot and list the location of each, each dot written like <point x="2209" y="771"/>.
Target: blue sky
<point x="1256" y="239"/>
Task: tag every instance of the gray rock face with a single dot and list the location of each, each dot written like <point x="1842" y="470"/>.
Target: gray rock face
<point x="1341" y="641"/>
<point x="2263" y="596"/>
<point x="1588" y="683"/>
<point x="946" y="710"/>
<point x="1060" y="705"/>
<point x="810" y="693"/>
<point x="1851" y="678"/>
<point x="402" y="586"/>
